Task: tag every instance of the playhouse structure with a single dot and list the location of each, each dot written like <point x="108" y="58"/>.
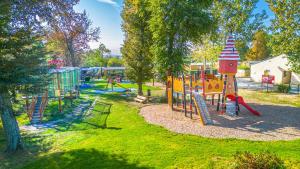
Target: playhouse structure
<point x="190" y="93"/>
<point x="63" y="84"/>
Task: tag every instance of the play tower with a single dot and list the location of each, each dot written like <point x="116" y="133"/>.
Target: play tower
<point x="228" y="61"/>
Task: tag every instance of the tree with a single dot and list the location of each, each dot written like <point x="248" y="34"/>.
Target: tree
<point x="286" y="31"/>
<point x="70" y="34"/>
<point x="259" y="50"/>
<point x="22" y="55"/>
<point x="236" y="17"/>
<point x="22" y="67"/>
<point x="136" y="50"/>
<point x="114" y="62"/>
<point x="207" y="51"/>
<point x="95" y="57"/>
<point x="175" y="25"/>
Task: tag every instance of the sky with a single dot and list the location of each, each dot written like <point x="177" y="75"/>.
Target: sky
<point x="106" y="14"/>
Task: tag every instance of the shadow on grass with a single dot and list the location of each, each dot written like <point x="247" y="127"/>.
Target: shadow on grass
<point x="52" y="113"/>
<point x="33" y="144"/>
<point x="92" y="119"/>
<point x="80" y="125"/>
<point x="111" y="97"/>
<point x="84" y="158"/>
<point x="37" y="142"/>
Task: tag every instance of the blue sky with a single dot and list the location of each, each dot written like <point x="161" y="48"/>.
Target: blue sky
<point x="106" y="15"/>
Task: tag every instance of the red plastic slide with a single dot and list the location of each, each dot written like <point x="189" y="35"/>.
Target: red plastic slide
<point x="242" y="102"/>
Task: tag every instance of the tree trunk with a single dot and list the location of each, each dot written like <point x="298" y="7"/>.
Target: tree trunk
<point x="140" y="88"/>
<point x="71" y="52"/>
<point x="10" y="125"/>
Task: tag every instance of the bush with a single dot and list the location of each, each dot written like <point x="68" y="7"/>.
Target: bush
<point x="283" y="88"/>
<point x="263" y="160"/>
<point x="87" y="79"/>
<point x="243" y="67"/>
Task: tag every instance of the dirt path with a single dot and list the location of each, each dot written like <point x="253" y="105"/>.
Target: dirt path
<point x="276" y="123"/>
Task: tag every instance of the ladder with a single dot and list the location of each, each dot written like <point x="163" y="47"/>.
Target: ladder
<point x="37" y="108"/>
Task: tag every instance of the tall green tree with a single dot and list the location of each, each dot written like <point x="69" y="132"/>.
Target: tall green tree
<point x="138" y="39"/>
<point x="95" y="57"/>
<point x="207" y="51"/>
<point x="21" y="65"/>
<point x="259" y="49"/>
<point x="115" y="62"/>
<point x="286" y="30"/>
<point x="236" y="17"/>
<point x="22" y="56"/>
<point x="175" y="26"/>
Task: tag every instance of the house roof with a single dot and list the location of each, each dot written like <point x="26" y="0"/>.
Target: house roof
<point x="282" y="56"/>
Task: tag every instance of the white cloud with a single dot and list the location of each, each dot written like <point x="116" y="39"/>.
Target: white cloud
<point x="111" y="2"/>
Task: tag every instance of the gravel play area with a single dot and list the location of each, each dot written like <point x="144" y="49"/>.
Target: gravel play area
<point x="276" y="123"/>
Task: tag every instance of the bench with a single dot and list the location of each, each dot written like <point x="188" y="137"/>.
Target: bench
<point x="140" y="99"/>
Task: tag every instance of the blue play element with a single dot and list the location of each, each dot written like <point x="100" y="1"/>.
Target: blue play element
<point x="86" y="86"/>
<point x="118" y="90"/>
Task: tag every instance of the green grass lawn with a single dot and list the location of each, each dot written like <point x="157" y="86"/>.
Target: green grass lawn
<point x="130" y="142"/>
<point x="271" y="97"/>
<point x="102" y="84"/>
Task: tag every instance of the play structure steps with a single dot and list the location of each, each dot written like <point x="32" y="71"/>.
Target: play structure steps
<point x="202" y="108"/>
<point x="36" y="115"/>
<point x="37" y="107"/>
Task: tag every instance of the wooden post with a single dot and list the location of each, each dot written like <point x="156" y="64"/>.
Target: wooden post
<point x="191" y="91"/>
<point x="177" y="98"/>
<point x="203" y="83"/>
<point x="27" y="104"/>
<point x="184" y="94"/>
<point x="219" y="97"/>
<point x="268" y="84"/>
<point x="224" y="93"/>
<point x="236" y="96"/>
<point x="59" y="96"/>
<point x="153" y="81"/>
<point x="172" y="90"/>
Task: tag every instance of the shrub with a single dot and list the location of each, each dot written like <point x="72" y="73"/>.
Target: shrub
<point x="87" y="79"/>
<point x="263" y="160"/>
<point x="243" y="67"/>
<point x="283" y="88"/>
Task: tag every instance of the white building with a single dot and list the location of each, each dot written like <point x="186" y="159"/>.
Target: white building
<point x="277" y="66"/>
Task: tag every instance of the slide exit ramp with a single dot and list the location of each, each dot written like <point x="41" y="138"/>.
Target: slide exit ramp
<point x="202" y="108"/>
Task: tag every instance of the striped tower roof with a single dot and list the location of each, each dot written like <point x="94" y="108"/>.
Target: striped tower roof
<point x="229" y="52"/>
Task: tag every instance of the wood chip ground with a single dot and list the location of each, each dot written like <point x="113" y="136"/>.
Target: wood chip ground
<point x="276" y="122"/>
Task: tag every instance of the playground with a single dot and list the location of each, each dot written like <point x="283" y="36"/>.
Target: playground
<point x="273" y="125"/>
<point x="205" y="111"/>
<point x="130" y="141"/>
<point x="135" y="84"/>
